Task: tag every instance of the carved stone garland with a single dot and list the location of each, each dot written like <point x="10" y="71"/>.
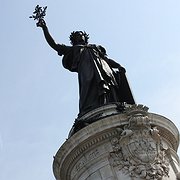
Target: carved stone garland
<point x="138" y="150"/>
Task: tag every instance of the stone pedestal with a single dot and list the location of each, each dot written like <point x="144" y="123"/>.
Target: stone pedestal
<point x="129" y="145"/>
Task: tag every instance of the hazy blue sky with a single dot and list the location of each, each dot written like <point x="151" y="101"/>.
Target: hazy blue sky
<point x="39" y="98"/>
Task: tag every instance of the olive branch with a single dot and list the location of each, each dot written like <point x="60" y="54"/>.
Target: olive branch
<point x="39" y="13"/>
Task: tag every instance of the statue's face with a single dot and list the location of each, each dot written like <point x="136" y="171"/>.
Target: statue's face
<point x="79" y="38"/>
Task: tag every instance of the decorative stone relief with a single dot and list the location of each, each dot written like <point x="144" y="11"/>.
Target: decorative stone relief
<point x="138" y="150"/>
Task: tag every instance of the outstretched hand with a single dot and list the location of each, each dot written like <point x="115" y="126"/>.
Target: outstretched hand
<point x="41" y="23"/>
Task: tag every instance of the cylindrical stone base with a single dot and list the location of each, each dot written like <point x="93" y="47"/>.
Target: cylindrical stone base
<point x="132" y="145"/>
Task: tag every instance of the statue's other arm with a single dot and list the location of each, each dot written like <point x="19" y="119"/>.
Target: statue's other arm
<point x="114" y="64"/>
<point x="111" y="62"/>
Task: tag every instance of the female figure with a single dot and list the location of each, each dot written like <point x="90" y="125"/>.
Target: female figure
<point x="98" y="83"/>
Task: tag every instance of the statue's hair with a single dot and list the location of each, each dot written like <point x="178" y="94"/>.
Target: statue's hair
<point x="73" y="35"/>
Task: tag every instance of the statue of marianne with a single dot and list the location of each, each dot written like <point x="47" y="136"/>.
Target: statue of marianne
<point x="99" y="84"/>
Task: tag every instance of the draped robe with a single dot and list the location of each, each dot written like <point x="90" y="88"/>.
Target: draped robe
<point x="97" y="82"/>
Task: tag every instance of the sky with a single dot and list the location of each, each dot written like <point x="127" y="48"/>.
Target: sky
<point x="39" y="98"/>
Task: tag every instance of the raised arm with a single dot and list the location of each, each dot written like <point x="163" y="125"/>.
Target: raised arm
<point x="47" y="35"/>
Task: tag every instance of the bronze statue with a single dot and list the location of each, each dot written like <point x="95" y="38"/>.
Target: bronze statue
<point x="99" y="84"/>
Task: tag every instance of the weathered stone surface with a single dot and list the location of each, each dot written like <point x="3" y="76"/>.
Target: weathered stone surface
<point x="134" y="145"/>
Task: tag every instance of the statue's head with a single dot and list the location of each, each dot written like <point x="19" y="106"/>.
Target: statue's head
<point x="79" y="38"/>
